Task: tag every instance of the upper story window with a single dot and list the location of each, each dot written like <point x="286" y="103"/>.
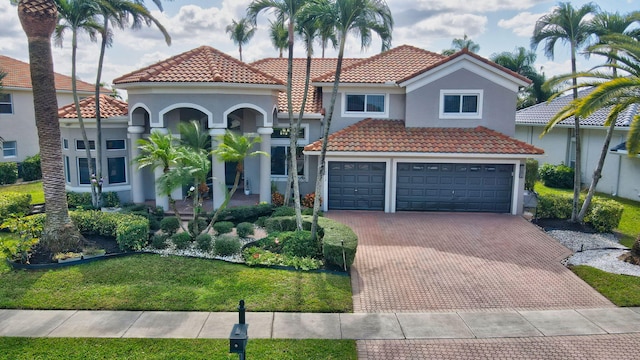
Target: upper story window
<point x="466" y="104"/>
<point x="80" y="145"/>
<point x="9" y="149"/>
<point x="116" y="145"/>
<point x="65" y="144"/>
<point x="6" y="104"/>
<point x="365" y="104"/>
<point x="280" y="152"/>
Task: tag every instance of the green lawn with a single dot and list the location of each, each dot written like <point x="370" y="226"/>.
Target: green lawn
<point x="622" y="290"/>
<point x="152" y="282"/>
<point x="33" y="188"/>
<point x="81" y="349"/>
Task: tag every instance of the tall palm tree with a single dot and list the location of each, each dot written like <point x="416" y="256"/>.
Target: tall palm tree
<point x="119" y="13"/>
<point x="285" y="10"/>
<point x="234" y="148"/>
<point x="361" y="17"/>
<point x="76" y="16"/>
<point x="241" y="32"/>
<point x="279" y="36"/>
<point x="459" y="44"/>
<point x="327" y="35"/>
<point x="38" y="19"/>
<point x="568" y="25"/>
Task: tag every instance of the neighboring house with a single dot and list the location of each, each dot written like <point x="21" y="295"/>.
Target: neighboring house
<point x="412" y="129"/>
<point x="17" y="115"/>
<point x="620" y="173"/>
<point x="115" y="155"/>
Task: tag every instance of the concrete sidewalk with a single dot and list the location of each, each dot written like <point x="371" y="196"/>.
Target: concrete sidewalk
<point x="359" y="326"/>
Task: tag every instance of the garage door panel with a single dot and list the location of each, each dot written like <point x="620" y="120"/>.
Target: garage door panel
<point x="356" y="185"/>
<point x="454" y="187"/>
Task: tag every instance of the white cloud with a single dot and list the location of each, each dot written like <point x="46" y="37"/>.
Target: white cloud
<point x="463" y="5"/>
<point x="521" y="24"/>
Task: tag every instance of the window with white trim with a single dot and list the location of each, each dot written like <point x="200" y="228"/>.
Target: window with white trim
<point x="116" y="168"/>
<point x="280" y="152"/>
<point x="80" y="145"/>
<point x="67" y="170"/>
<point x="117" y="144"/>
<point x="84" y="177"/>
<point x="9" y="149"/>
<point x="466" y="104"/>
<point x="6" y="104"/>
<point x="65" y="144"/>
<point x="365" y="104"/>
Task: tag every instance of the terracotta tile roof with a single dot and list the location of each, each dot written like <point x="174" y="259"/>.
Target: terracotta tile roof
<point x="540" y="114"/>
<point x="278" y="68"/>
<point x="109" y="107"/>
<point x="19" y="76"/>
<point x="200" y="65"/>
<point x="373" y="135"/>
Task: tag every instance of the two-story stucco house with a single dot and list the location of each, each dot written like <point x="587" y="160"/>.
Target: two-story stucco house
<point x="17" y="115"/>
<point x="411" y="130"/>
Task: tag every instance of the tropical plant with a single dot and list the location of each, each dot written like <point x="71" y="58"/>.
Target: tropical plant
<point x="326" y="36"/>
<point x="38" y="20"/>
<point x="568" y="25"/>
<point x="119" y="13"/>
<point x="241" y="32"/>
<point x="361" y="17"/>
<point x="610" y="91"/>
<point x="288" y="10"/>
<point x="279" y="36"/>
<point x="460" y="44"/>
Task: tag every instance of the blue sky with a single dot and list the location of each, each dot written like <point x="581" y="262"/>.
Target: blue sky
<point x="496" y="25"/>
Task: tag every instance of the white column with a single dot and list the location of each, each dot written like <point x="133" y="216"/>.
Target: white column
<point x="161" y="200"/>
<point x="137" y="185"/>
<point x="265" y="164"/>
<point x="217" y="171"/>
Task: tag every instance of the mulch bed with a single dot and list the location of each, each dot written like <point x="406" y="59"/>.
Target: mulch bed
<point x="557" y="224"/>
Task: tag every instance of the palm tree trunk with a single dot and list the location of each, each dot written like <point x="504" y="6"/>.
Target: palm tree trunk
<point x="76" y="101"/>
<point x="38" y="21"/>
<point x="103" y="47"/>
<point x="225" y="202"/>
<point x="577" y="183"/>
<point x="240" y="51"/>
<point x="325" y="139"/>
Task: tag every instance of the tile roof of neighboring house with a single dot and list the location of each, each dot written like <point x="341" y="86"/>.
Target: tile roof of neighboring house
<point x="200" y="65"/>
<point x="319" y="66"/>
<point x="393" y="65"/>
<point x="372" y="135"/>
<point x="19" y="76"/>
<point x="540" y="114"/>
<point x="109" y="108"/>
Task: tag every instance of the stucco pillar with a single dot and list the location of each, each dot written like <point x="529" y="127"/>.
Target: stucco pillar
<point x="137" y="186"/>
<point x="217" y="171"/>
<point x="161" y="200"/>
<point x="265" y="164"/>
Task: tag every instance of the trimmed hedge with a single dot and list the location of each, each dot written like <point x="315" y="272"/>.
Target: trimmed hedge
<point x="248" y="213"/>
<point x="83" y="199"/>
<point x="331" y="232"/>
<point x="131" y="231"/>
<point x="531" y="174"/>
<point x="31" y="169"/>
<point x="8" y="173"/>
<point x="14" y="203"/>
<point x="557" y="176"/>
<point x="603" y="214"/>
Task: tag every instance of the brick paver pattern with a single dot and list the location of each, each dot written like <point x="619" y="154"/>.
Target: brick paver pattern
<point x="412" y="261"/>
<point x="618" y="347"/>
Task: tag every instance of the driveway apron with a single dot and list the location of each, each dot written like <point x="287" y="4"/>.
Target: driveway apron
<point x="411" y="262"/>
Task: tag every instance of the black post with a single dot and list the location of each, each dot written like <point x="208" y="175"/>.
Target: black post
<point x="241" y="310"/>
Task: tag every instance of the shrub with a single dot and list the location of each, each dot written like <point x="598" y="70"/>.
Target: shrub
<point x="603" y="214"/>
<point x="277" y="199"/>
<point x="284" y="211"/>
<point x="531" y="174"/>
<point x="31" y="169"/>
<point x="202" y="224"/>
<point x="204" y="242"/>
<point x="249" y="213"/>
<point x="256" y="256"/>
<point x="309" y="211"/>
<point x="281" y="223"/>
<point x="557" y="176"/>
<point x="554" y="206"/>
<point x="8" y="173"/>
<point x="131" y="231"/>
<point x="299" y="243"/>
<point x="244" y="229"/>
<point x="226" y="245"/>
<point x="271" y="242"/>
<point x="308" y="200"/>
<point x="223" y="227"/>
<point x="110" y="199"/>
<point x="79" y="200"/>
<point x="261" y="221"/>
<point x="159" y="241"/>
<point x="170" y="225"/>
<point x="337" y="237"/>
<point x="181" y="240"/>
<point x="14" y="203"/>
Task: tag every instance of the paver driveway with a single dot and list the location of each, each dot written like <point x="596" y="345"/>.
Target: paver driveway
<point x="456" y="261"/>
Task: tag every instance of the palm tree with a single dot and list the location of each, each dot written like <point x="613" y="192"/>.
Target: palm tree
<point x="569" y="25"/>
<point x="76" y="16"/>
<point x="241" y="32"/>
<point x="327" y="34"/>
<point x="522" y="61"/>
<point x="460" y="44"/>
<point x="234" y="148"/>
<point x="279" y="36"/>
<point x="286" y="10"/>
<point x="38" y="19"/>
<point x="361" y="17"/>
<point x="118" y="13"/>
